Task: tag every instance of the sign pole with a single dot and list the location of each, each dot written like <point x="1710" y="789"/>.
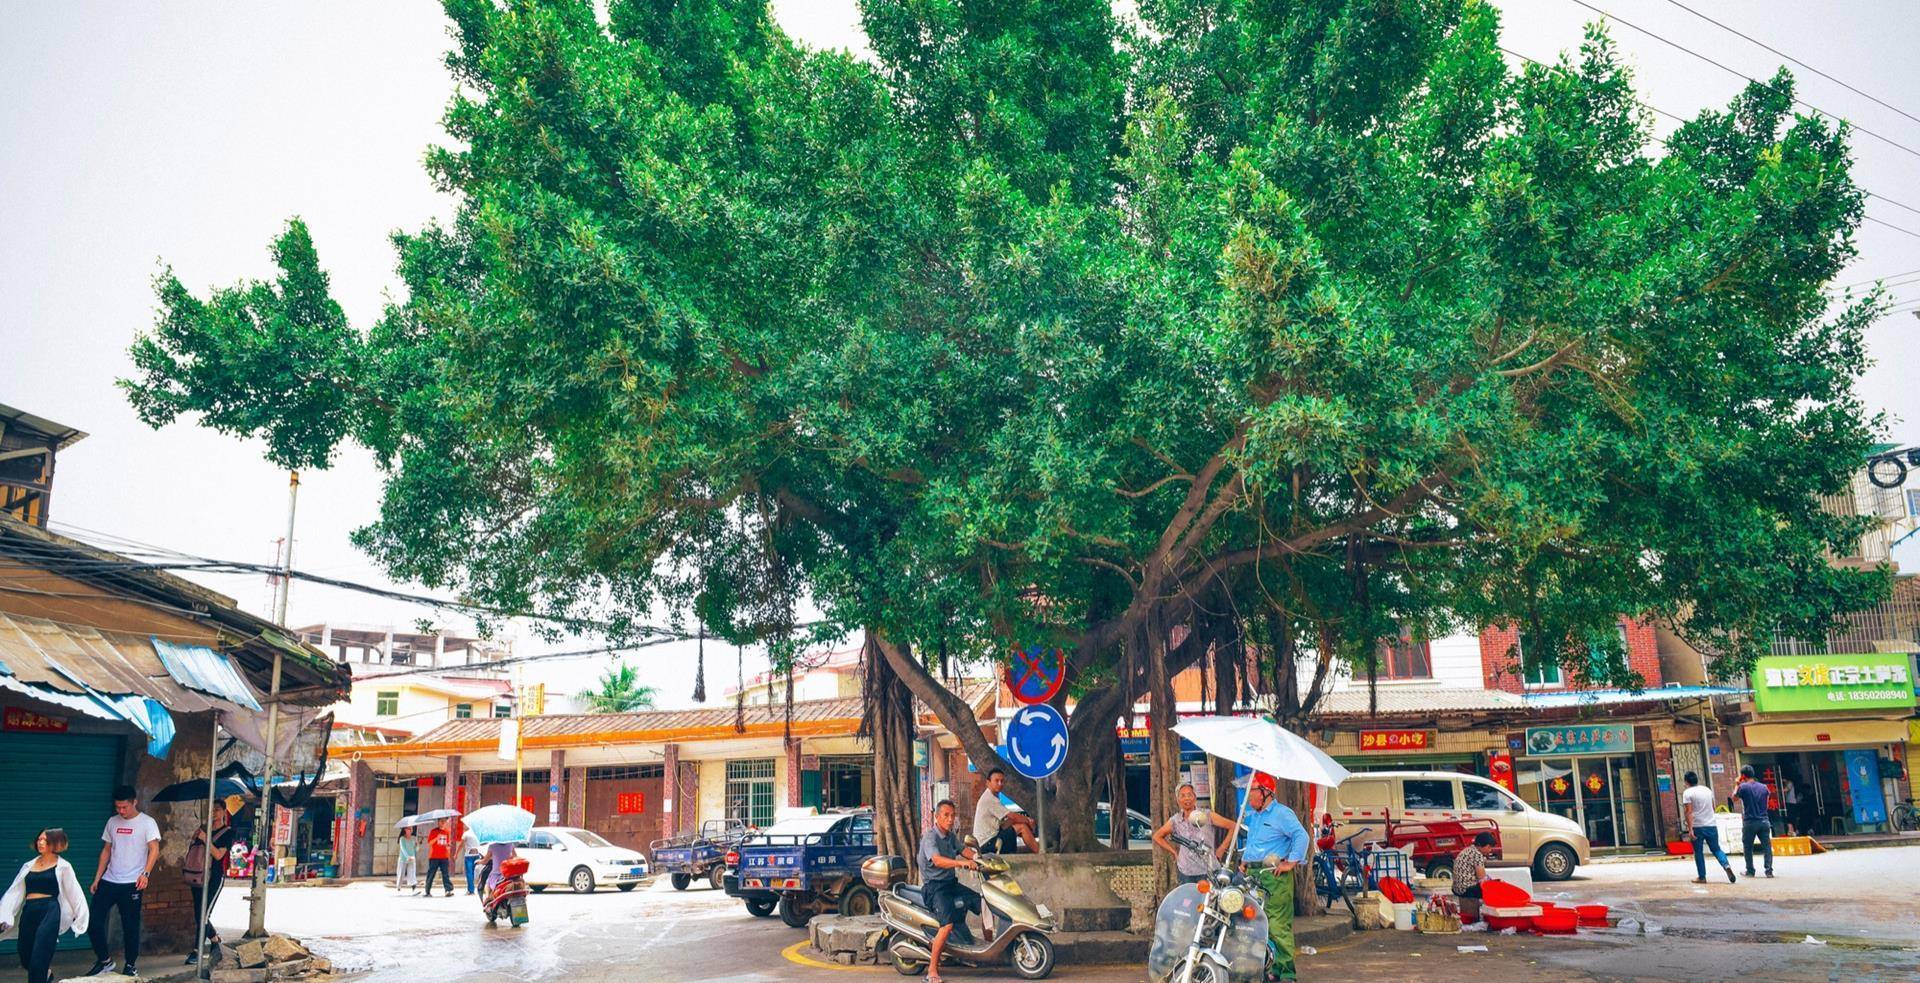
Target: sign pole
<point x="1040" y="807"/>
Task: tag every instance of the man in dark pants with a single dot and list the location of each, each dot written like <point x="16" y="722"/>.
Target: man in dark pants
<point x="1756" y="824"/>
<point x="440" y="856"/>
<point x="131" y="848"/>
<point x="941" y="853"/>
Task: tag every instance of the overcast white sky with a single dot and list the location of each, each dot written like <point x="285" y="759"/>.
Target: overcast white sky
<point x="188" y="132"/>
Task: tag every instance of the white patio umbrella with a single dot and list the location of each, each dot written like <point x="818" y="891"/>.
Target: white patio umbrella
<point x="1263" y="745"/>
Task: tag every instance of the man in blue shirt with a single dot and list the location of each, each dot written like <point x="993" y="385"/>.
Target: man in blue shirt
<point x="1756" y="822"/>
<point x="1276" y="844"/>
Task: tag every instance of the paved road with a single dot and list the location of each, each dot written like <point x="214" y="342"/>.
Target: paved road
<point x="1859" y="903"/>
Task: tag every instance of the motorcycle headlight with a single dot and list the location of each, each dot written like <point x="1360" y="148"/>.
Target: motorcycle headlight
<point x="1232" y="900"/>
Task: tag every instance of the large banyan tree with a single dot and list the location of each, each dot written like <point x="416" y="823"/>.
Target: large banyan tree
<point x="1243" y="333"/>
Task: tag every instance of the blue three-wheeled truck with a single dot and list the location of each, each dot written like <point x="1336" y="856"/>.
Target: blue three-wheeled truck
<point x="806" y="866"/>
<point x="698" y="856"/>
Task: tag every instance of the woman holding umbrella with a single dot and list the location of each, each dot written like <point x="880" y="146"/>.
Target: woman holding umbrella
<point x="212" y="854"/>
<point x="405" y="868"/>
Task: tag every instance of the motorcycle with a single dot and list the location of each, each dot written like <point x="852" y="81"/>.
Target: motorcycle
<point x="1020" y="938"/>
<point x="509" y="897"/>
<point x="1214" y="931"/>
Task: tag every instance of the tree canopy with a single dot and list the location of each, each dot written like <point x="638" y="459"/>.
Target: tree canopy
<point x="1045" y="326"/>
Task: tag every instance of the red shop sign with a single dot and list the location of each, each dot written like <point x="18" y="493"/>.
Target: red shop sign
<point x="22" y="719"/>
<point x="1395" y="740"/>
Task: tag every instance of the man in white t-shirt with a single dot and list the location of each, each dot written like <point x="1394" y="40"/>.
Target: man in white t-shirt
<point x="1696" y="815"/>
<point x="996" y="827"/>
<point x="131" y="847"/>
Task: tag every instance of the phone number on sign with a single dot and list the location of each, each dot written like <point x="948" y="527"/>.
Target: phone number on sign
<point x="1866" y="694"/>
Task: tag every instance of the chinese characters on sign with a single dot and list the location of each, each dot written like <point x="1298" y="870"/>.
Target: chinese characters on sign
<point x="631" y="803"/>
<point x="22" y="719"/>
<point x="1395" y="740"/>
<point x="1578" y="739"/>
<point x="1866" y="681"/>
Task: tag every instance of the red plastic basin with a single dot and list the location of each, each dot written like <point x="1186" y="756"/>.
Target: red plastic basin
<point x="1501" y="894"/>
<point x="1592" y="914"/>
<point x="1556" y="921"/>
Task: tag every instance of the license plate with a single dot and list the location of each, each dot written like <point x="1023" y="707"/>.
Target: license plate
<point x="636" y="871"/>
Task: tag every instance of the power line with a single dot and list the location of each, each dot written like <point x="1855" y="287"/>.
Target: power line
<point x="1802" y="64"/>
<point x="1740" y="74"/>
<point x="168" y="560"/>
<point x="1882" y="279"/>
<point x="1676" y="117"/>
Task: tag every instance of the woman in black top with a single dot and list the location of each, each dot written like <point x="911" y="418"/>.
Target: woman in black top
<point x="44" y="901"/>
<point x="208" y="891"/>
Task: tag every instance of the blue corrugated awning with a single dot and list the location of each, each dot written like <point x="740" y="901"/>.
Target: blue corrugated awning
<point x="1599" y="697"/>
<point x="200" y="668"/>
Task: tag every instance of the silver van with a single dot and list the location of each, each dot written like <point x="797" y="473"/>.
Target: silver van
<point x="1552" y="845"/>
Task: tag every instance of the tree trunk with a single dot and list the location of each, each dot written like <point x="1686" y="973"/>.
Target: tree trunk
<point x="1294" y="796"/>
<point x="1117" y="796"/>
<point x="1229" y="662"/>
<point x="1163" y="744"/>
<point x="1090" y="731"/>
<point x="888" y="726"/>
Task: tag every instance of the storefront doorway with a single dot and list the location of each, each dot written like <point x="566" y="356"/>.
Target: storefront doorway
<point x="1812" y="793"/>
<point x="1605" y="795"/>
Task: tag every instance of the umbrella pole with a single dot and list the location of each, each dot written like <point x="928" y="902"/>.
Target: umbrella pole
<point x="206" y="873"/>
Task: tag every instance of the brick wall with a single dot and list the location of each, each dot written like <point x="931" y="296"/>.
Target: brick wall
<point x="1499" y="658"/>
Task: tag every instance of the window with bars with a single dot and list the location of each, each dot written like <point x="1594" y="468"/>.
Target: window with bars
<point x="531" y="776"/>
<point x="617" y="773"/>
<point x="750" y="791"/>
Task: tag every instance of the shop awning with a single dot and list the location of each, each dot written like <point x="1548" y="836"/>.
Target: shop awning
<point x="1833" y="732"/>
<point x="110" y="676"/>
<point x="1601" y="697"/>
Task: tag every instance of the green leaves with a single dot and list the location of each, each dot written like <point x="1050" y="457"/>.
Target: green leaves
<point x="276" y="360"/>
<point x="619" y="691"/>
<point x="1045" y="329"/>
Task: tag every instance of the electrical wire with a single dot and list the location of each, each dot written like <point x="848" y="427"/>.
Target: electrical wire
<point x="1889" y="141"/>
<point x="1676" y="117"/>
<point x="164" y="559"/>
<point x="1802" y="64"/>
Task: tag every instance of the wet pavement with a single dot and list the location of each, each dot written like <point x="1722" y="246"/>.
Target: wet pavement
<point x="1858" y="906"/>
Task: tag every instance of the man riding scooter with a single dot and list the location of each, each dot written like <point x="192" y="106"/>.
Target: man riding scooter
<point x="941" y="854"/>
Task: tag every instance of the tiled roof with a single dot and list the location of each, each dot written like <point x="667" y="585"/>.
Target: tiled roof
<point x="1416" y="700"/>
<point x="810" y="718"/>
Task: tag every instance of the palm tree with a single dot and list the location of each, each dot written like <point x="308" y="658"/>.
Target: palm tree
<point x="619" y="692"/>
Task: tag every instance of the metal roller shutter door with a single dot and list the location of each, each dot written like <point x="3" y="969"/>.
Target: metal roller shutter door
<point x="60" y="780"/>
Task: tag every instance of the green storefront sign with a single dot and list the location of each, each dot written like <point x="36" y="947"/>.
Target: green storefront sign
<point x="1872" y="681"/>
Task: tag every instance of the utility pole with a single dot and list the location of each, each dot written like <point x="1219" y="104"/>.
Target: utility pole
<point x="263" y="824"/>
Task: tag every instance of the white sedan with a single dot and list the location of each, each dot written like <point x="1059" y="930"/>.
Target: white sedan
<point x="580" y="859"/>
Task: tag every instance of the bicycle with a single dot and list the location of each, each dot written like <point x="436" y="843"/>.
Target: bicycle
<point x="1906" y="817"/>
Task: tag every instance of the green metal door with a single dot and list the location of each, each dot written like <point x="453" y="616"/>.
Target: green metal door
<point x="58" y="780"/>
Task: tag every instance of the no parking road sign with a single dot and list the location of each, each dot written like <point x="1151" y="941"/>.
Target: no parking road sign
<point x="1037" y="741"/>
<point x="1035" y="673"/>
